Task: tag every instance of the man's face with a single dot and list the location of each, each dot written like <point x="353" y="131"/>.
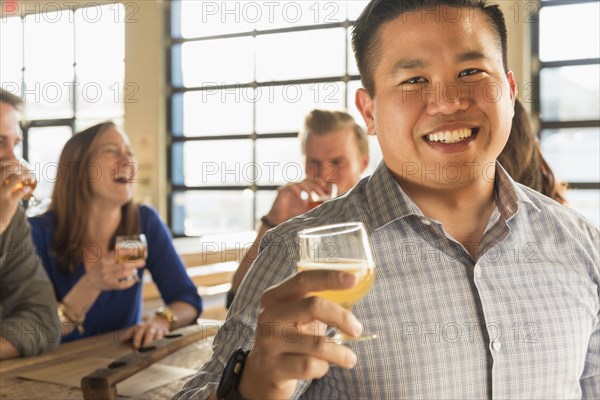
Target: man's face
<point x="335" y="158"/>
<point x="443" y="104"/>
<point x="10" y="132"/>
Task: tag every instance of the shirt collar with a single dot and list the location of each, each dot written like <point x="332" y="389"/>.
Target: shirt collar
<point x="510" y="194"/>
<point x="388" y="202"/>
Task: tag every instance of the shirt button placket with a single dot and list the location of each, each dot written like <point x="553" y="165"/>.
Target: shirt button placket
<point x="496" y="345"/>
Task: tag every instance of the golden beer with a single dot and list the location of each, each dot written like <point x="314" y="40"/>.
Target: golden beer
<point x="346" y="297"/>
<point x="27" y="181"/>
<point x="130" y="248"/>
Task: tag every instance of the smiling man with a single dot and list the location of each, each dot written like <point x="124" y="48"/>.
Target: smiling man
<point x="484" y="288"/>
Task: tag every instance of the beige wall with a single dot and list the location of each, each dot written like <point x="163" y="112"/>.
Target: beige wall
<point x="145" y="114"/>
<point x="519" y="43"/>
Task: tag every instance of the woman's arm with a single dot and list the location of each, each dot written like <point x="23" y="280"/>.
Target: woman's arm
<point x="170" y="276"/>
<point x="102" y="274"/>
<point x="165" y="265"/>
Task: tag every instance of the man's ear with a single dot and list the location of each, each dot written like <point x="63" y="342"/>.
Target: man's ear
<point x="513" y="87"/>
<point x="364" y="104"/>
<point x="365" y="163"/>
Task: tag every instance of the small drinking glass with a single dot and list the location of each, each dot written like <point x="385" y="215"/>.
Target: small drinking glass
<point x="28" y="178"/>
<point x="131" y="248"/>
<point x="314" y="200"/>
<point x="340" y="247"/>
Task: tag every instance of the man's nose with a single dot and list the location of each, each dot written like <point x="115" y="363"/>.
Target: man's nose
<point x="328" y="172"/>
<point x="8" y="154"/>
<point x="447" y="99"/>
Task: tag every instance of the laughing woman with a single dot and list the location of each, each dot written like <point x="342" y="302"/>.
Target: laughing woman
<point x="91" y="205"/>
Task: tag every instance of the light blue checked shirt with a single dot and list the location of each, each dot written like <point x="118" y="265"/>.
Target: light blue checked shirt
<point x="519" y="322"/>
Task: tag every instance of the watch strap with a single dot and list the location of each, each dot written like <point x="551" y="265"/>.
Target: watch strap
<point x="228" y="386"/>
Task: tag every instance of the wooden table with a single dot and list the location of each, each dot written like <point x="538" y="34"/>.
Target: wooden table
<point x="109" y="346"/>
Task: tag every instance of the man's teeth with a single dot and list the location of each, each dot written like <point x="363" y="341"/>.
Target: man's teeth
<point x="450" y="136"/>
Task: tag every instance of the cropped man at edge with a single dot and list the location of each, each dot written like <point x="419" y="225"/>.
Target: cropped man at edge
<point x="29" y="322"/>
<point x="484" y="288"/>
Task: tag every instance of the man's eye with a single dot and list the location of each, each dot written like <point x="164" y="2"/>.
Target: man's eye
<point x="468" y="72"/>
<point x="415" y="80"/>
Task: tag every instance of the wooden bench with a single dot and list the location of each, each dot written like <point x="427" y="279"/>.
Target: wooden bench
<point x="210" y="279"/>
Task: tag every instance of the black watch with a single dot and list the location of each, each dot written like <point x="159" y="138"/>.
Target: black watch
<point x="228" y="387"/>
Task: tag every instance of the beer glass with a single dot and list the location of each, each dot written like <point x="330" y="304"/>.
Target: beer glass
<point x="131" y="248"/>
<point x="314" y="200"/>
<point x="28" y="178"/>
<point x="341" y="247"/>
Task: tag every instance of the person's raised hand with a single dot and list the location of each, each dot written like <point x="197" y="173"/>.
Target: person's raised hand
<point x="290" y="341"/>
<point x="10" y="192"/>
<point x="290" y="203"/>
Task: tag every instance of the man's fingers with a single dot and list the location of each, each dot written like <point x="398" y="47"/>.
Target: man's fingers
<point x="309" y="310"/>
<point x="297" y="366"/>
<point x="11" y="181"/>
<point x="301" y="366"/>
<point x="305" y="282"/>
<point x="314" y="346"/>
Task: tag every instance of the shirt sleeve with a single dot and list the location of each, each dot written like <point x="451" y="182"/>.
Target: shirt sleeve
<point x="275" y="262"/>
<point x="590" y="379"/>
<point x="165" y="265"/>
<point x="29" y="319"/>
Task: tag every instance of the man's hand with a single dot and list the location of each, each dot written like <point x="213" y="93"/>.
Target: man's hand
<point x="10" y="194"/>
<point x="289" y="202"/>
<point x="290" y="343"/>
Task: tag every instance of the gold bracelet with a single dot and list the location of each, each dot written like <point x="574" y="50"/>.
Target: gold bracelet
<point x="168" y="315"/>
<point x="66" y="319"/>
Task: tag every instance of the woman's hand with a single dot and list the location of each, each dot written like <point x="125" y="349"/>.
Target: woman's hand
<point x="147" y="332"/>
<point x="103" y="273"/>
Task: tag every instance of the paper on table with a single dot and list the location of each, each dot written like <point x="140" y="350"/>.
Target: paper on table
<point x="70" y="373"/>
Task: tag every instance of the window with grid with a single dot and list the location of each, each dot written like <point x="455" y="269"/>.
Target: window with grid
<point x="566" y="38"/>
<point x="68" y="67"/>
<point x="243" y="76"/>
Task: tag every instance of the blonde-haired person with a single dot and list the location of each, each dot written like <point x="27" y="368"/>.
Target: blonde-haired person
<point x="91" y="205"/>
<point x="336" y="150"/>
<point x="523" y="160"/>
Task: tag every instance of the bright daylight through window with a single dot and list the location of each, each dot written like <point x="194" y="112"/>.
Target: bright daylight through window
<point x="68" y="66"/>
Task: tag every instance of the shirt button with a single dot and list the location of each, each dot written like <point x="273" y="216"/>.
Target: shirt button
<point x="426" y="221"/>
<point x="496" y="345"/>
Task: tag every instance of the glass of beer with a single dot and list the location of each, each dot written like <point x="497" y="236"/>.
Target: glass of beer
<point x="28" y="178"/>
<point x="314" y="200"/>
<point x="131" y="248"/>
<point x="342" y="247"/>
